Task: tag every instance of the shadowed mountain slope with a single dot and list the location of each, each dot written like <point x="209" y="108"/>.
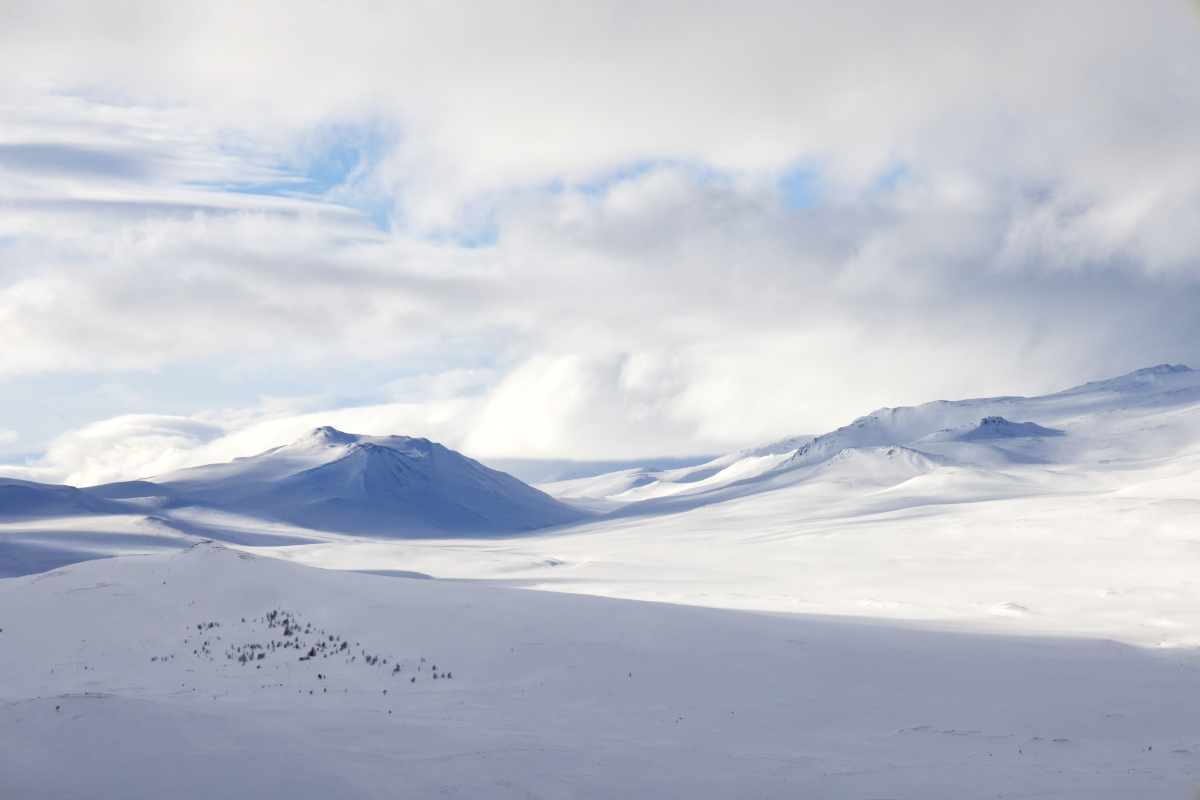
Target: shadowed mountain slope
<point x="390" y="486"/>
<point x="26" y="499"/>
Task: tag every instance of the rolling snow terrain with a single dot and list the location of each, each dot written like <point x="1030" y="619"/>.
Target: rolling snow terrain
<point x="176" y="675"/>
<point x="992" y="597"/>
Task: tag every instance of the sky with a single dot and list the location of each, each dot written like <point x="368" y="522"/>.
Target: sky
<point x="583" y="231"/>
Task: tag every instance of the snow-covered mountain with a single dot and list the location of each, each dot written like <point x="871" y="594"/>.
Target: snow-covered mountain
<point x="387" y="486"/>
<point x="1107" y="422"/>
<point x="922" y="563"/>
<point x="1085" y="410"/>
<point x="990" y="428"/>
<point x="329" y="484"/>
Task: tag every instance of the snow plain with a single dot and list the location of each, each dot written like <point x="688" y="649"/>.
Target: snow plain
<point x="985" y="598"/>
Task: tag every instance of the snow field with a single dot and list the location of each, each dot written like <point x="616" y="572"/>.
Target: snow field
<point x="553" y="695"/>
<point x="973" y="599"/>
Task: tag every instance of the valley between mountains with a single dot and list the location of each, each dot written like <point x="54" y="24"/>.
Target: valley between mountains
<point x="981" y="598"/>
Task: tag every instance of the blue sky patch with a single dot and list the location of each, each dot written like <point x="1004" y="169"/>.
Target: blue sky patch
<point x="599" y="188"/>
<point x="345" y="152"/>
<point x="330" y="167"/>
<point x="887" y="182"/>
<point x="800" y="188"/>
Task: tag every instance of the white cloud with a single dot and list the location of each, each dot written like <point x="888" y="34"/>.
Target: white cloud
<point x="494" y="96"/>
<point x="1003" y="200"/>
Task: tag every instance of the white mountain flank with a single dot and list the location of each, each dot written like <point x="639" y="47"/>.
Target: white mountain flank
<point x="388" y="486"/>
<point x="987" y="433"/>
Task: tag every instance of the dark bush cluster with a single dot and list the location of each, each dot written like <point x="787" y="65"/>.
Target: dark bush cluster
<point x="286" y="631"/>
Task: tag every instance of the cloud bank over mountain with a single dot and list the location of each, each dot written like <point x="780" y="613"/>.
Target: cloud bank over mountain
<point x="607" y="230"/>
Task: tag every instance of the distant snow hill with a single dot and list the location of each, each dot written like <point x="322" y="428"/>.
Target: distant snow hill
<point x="29" y="500"/>
<point x="330" y="484"/>
<point x="385" y="486"/>
<point x="1106" y="418"/>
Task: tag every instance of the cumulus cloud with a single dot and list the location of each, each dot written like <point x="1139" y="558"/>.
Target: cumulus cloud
<point x="594" y="230"/>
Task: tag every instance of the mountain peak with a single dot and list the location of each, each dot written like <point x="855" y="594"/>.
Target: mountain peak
<point x="1163" y="369"/>
<point x="327" y="435"/>
<point x="1148" y="376"/>
<point x="996" y="427"/>
<point x="395" y="486"/>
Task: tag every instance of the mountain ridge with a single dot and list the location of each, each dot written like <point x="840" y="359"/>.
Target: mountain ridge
<point x="329" y="484"/>
<point x="956" y="430"/>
